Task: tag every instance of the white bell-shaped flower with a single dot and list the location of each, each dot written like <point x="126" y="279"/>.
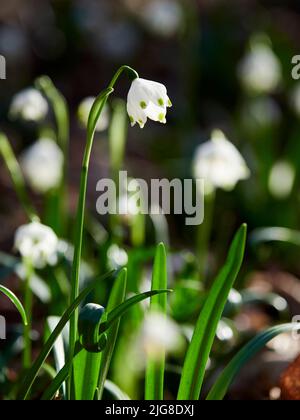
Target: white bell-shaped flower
<point x="29" y="105"/>
<point x="38" y="243"/>
<point x="260" y="70"/>
<point x="147" y="99"/>
<point x="219" y="163"/>
<point x="42" y="165"/>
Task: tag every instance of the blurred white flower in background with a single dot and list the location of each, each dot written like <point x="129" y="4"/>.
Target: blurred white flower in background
<point x="163" y="17"/>
<point x="160" y="334"/>
<point x="147" y="99"/>
<point x="38" y="243"/>
<point x="117" y="257"/>
<point x="219" y="163"/>
<point x="42" y="164"/>
<point x="84" y="111"/>
<point x="260" y="70"/>
<point x="29" y="105"/>
<point x="281" y="179"/>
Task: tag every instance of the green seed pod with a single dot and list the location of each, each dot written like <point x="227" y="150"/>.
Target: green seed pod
<point x="91" y="318"/>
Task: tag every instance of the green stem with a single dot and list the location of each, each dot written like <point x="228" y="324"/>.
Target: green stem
<point x="61" y="113"/>
<point x="93" y="118"/>
<point x="28" y="311"/>
<point x="204" y="233"/>
<point x="16" y="175"/>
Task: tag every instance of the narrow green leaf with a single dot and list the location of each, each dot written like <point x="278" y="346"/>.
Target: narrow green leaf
<point x="60" y="378"/>
<point x="91" y="367"/>
<point x="112" y="317"/>
<point x="33" y="372"/>
<point x="115" y="391"/>
<point x="121" y="309"/>
<point x="16" y="175"/>
<point x="13" y="298"/>
<point x="275" y="234"/>
<point x="155" y="372"/>
<point x="117" y="297"/>
<point x="222" y="384"/>
<point x="200" y="347"/>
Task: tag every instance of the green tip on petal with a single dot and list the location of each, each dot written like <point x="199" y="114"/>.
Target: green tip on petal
<point x="131" y="120"/>
<point x="170" y="103"/>
<point x="141" y="123"/>
<point x="162" y="118"/>
<point x="143" y="105"/>
<point x="161" y="102"/>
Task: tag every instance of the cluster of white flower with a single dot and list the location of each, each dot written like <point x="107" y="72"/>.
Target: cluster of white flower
<point x="29" y="105"/>
<point x="37" y="243"/>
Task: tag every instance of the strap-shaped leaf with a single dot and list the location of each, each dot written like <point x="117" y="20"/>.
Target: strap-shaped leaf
<point x="13" y="298"/>
<point x="33" y="372"/>
<point x="112" y="317"/>
<point x="222" y="384"/>
<point x="155" y="372"/>
<point x="200" y="347"/>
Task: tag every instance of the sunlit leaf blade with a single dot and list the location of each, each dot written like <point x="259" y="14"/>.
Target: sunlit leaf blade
<point x="13" y="298"/>
<point x="121" y="309"/>
<point x="113" y="316"/>
<point x="226" y="378"/>
<point x="117" y="297"/>
<point x="200" y="347"/>
<point x="154" y="385"/>
<point x="33" y="372"/>
<point x="275" y="234"/>
<point x="115" y="391"/>
<point x="91" y="367"/>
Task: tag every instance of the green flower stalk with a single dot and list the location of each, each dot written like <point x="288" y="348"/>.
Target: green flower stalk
<point x="145" y="100"/>
<point x="95" y="114"/>
<point x="61" y="113"/>
<point x="17" y="177"/>
<point x="28" y="298"/>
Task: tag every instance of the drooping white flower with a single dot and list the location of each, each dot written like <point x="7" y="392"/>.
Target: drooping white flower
<point x="84" y="111"/>
<point x="260" y="70"/>
<point x="147" y="99"/>
<point x="42" y="165"/>
<point x="38" y="243"/>
<point x="29" y="105"/>
<point x="219" y="163"/>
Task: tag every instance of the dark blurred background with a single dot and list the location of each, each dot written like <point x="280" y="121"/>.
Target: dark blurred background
<point x="195" y="48"/>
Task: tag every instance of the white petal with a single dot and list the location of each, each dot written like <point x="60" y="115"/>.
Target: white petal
<point x="136" y="114"/>
<point x="156" y="113"/>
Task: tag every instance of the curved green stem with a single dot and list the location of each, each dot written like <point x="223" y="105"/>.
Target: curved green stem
<point x="61" y="113"/>
<point x="16" y="175"/>
<point x="28" y="311"/>
<point x="95" y="113"/>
